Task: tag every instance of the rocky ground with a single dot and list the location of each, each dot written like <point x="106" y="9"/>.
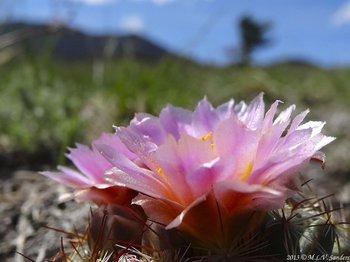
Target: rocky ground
<point x="28" y="203"/>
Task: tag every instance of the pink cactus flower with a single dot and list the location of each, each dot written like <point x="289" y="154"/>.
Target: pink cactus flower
<point x="89" y="182"/>
<point x="212" y="174"/>
<point x="210" y="171"/>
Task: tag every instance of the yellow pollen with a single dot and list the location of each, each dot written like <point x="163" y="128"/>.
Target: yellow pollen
<point x="248" y="171"/>
<point x="208" y="136"/>
<point x="169" y="192"/>
<point x="162" y="175"/>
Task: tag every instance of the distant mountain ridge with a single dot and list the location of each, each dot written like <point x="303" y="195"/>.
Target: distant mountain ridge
<point x="68" y="44"/>
<point x="73" y="45"/>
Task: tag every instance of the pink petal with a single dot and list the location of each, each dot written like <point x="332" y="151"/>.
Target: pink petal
<point x="139" y="145"/>
<point x="294" y="139"/>
<point x="254" y="114"/>
<point x="126" y="173"/>
<point x="233" y="138"/>
<point x="283" y="164"/>
<point x="201" y="180"/>
<point x="138" y="182"/>
<point x="69" y="177"/>
<point x="90" y="163"/>
<point x="268" y="120"/>
<point x="176" y="120"/>
<point x="120" y="161"/>
<point x="297" y="121"/>
<point x="135" y="141"/>
<point x="224" y="111"/>
<point x="204" y="118"/>
<point x="240" y="109"/>
<point x="113" y="141"/>
<point x="284" y="116"/>
<point x="170" y="161"/>
<point x="316" y="126"/>
<point x="269" y="143"/>
<point x="191" y="154"/>
<point x="324" y="141"/>
<point x="149" y="126"/>
<point x="194" y="152"/>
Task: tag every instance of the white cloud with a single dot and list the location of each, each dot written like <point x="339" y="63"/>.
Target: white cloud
<point x="342" y="15"/>
<point x="132" y="23"/>
<point x="95" y="2"/>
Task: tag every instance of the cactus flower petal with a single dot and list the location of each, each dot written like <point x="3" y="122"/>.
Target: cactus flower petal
<point x="89" y="181"/>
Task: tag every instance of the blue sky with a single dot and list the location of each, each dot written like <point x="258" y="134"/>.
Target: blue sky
<point x="207" y="29"/>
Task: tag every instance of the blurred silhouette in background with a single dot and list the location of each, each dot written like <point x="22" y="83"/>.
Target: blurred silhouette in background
<point x="253" y="35"/>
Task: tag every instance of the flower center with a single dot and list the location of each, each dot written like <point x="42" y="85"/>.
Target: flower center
<point x="209" y="137"/>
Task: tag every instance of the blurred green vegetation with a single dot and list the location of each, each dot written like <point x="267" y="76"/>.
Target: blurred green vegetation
<point x="46" y="106"/>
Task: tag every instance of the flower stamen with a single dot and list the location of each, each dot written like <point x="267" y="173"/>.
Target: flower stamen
<point x="162" y="175"/>
<point x="209" y="137"/>
<point x="248" y="172"/>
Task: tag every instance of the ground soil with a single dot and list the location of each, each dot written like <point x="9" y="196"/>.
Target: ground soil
<point x="28" y="203"/>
